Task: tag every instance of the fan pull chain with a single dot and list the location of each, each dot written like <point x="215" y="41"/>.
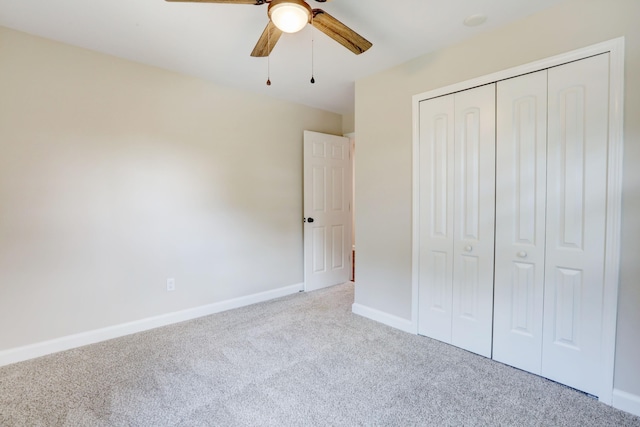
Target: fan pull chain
<point x="268" y="57"/>
<point x="313" y="80"/>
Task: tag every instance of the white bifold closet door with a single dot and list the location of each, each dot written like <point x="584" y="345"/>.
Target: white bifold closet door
<point x="457" y="198"/>
<point x="550" y="221"/>
<point x="576" y="219"/>
<point x="521" y="179"/>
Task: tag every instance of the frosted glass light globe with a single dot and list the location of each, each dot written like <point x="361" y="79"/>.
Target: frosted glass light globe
<point x="289" y="17"/>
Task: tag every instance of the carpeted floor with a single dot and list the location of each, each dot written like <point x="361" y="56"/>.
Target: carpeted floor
<point x="302" y="360"/>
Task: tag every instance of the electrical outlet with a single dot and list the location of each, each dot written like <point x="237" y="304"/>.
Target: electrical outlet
<point x="171" y="284"/>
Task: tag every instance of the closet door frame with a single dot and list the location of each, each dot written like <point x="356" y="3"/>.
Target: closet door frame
<point x="615" y="48"/>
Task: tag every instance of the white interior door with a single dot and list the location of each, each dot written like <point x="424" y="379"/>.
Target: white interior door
<point x="473" y="228"/>
<point x="435" y="294"/>
<point x="327" y="210"/>
<point x="576" y="215"/>
<point x="521" y="167"/>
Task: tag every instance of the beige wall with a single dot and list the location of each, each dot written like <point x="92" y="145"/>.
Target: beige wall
<point x="115" y="176"/>
<point x="384" y="125"/>
<point x="348" y="123"/>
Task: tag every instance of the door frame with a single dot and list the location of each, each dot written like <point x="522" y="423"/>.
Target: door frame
<point x="615" y="48"/>
<point x="352" y="154"/>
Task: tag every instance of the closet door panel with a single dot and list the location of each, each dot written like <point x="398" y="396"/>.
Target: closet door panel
<point x="474" y="189"/>
<point x="576" y="207"/>
<point x="436" y="217"/>
<point x="521" y="153"/>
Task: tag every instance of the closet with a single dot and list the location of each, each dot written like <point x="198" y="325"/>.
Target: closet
<point x="512" y="220"/>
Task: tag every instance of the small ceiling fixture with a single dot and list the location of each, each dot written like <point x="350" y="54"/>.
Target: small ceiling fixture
<point x="290" y="16"/>
<point x="475" y="20"/>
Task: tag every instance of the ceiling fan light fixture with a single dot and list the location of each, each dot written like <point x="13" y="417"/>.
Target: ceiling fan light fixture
<point x="290" y="16"/>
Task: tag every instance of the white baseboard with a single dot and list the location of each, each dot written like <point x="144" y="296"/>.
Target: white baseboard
<point x="626" y="401"/>
<point x="32" y="351"/>
<point x="385" y="318"/>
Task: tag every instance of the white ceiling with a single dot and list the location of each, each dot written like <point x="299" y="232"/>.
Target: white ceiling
<point x="213" y="41"/>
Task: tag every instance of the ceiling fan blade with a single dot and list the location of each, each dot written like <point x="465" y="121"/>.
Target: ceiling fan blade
<point x="340" y="32"/>
<point x="257" y="2"/>
<point x="267" y="41"/>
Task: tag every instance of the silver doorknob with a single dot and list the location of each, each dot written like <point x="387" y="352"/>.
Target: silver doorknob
<point x="468" y="248"/>
<point x="522" y="254"/>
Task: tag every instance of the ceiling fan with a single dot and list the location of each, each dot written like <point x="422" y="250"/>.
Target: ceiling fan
<point x="291" y="16"/>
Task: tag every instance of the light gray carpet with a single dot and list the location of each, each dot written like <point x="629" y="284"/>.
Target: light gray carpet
<point x="303" y="360"/>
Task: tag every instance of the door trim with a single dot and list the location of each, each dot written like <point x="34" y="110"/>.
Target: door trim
<point x="615" y="48"/>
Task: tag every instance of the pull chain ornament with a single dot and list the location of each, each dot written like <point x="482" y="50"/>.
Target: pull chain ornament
<point x="268" y="58"/>
<point x="313" y="80"/>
